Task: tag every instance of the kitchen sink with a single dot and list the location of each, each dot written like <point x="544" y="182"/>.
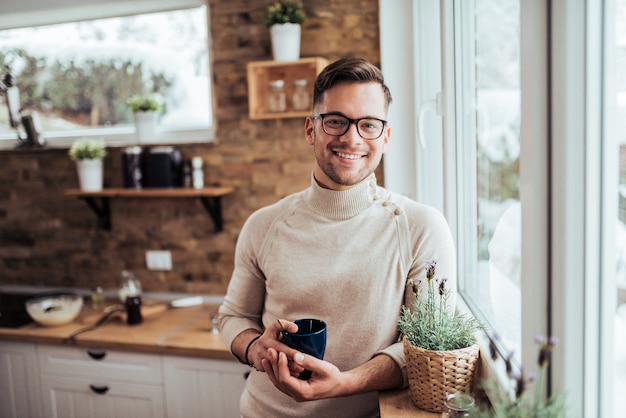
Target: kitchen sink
<point x="13" y="311"/>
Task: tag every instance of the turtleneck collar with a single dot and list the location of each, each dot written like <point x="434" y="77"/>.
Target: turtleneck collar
<point x="344" y="204"/>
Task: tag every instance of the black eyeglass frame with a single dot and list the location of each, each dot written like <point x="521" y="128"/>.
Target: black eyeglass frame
<point x="350" y="121"/>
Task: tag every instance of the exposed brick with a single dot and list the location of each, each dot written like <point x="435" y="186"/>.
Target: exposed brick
<point x="47" y="239"/>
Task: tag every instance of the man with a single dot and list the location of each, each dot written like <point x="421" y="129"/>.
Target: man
<point x="342" y="251"/>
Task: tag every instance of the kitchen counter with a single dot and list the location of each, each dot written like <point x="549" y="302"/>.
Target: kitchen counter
<point x="398" y="404"/>
<point x="178" y="331"/>
<point x="185" y="331"/>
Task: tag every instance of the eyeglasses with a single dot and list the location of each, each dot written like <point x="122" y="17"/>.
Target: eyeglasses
<point x="337" y="125"/>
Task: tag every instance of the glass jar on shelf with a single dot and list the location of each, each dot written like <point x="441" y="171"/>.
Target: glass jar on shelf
<point x="301" y="97"/>
<point x="277" y="98"/>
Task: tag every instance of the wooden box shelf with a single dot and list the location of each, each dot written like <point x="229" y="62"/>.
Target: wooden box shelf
<point x="260" y="73"/>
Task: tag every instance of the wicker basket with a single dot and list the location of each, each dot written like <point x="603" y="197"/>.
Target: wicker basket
<point x="435" y="374"/>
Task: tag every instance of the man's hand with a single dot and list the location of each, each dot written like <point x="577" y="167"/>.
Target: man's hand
<point x="271" y="339"/>
<point x="325" y="381"/>
<point x="283" y="365"/>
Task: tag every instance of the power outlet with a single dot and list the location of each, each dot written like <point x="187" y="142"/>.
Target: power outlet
<point x="158" y="260"/>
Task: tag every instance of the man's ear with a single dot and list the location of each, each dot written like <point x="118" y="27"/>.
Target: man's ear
<point x="309" y="130"/>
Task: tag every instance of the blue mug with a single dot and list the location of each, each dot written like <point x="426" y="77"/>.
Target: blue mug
<point x="310" y="339"/>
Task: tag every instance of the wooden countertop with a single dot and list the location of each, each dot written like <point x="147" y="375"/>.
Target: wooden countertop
<point x="177" y="331"/>
<point x="398" y="404"/>
<point x="182" y="331"/>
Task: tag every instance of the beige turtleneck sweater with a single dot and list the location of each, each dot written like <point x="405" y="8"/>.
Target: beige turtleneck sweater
<point x="341" y="256"/>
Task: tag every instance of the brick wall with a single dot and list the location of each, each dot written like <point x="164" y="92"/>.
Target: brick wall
<point x="48" y="239"/>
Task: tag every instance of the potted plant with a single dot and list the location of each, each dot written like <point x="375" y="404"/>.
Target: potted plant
<point x="88" y="154"/>
<point x="284" y="19"/>
<point x="440" y="345"/>
<point x="145" y="111"/>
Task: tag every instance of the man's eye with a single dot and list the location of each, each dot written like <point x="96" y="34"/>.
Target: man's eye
<point x="370" y="125"/>
<point x="335" y="122"/>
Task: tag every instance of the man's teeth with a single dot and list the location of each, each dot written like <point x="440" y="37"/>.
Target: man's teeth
<point x="348" y="156"/>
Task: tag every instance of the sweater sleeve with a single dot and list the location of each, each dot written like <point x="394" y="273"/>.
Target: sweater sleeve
<point x="396" y="352"/>
<point x="430" y="238"/>
<point x="243" y="304"/>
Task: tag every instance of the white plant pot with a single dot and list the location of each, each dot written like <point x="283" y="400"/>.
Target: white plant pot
<point x="145" y="126"/>
<point x="89" y="175"/>
<point x="285" y="41"/>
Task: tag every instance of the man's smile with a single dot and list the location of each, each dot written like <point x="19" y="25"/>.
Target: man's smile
<point x="348" y="156"/>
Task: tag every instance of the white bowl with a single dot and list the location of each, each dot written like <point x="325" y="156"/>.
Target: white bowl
<point x="54" y="310"/>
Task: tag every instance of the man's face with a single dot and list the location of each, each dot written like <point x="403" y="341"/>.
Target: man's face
<point x="346" y="160"/>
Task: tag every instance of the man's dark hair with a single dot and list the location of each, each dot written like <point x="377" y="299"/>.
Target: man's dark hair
<point x="349" y="70"/>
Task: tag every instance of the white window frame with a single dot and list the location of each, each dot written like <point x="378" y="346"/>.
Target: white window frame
<point x="411" y="23"/>
<point x="460" y="167"/>
<point x="27" y="13"/>
<point x="534" y="175"/>
<point x="562" y="247"/>
<point x="583" y="184"/>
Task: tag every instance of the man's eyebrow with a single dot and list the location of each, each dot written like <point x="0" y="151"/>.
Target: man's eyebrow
<point x="338" y="113"/>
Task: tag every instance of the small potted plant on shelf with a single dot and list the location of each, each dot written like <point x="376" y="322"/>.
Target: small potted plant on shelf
<point x="440" y="345"/>
<point x="145" y="111"/>
<point x="88" y="154"/>
<point x="284" y="19"/>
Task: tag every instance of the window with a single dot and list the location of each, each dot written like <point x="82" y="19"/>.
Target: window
<point x="78" y="75"/>
<point x="487" y="130"/>
<point x="533" y="125"/>
<point x="481" y="135"/>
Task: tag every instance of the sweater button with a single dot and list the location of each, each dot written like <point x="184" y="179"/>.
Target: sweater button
<point x="397" y="211"/>
<point x="385" y="203"/>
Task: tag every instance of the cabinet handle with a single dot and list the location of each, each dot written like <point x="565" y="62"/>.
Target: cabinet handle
<point x="100" y="390"/>
<point x="97" y="355"/>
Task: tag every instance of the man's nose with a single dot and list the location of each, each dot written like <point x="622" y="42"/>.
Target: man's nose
<point x="352" y="134"/>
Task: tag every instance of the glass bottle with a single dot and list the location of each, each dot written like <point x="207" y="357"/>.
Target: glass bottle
<point x="458" y="405"/>
<point x="133" y="310"/>
<point x="129" y="285"/>
<point x="187" y="176"/>
<point x="301" y="98"/>
<point x="277" y="99"/>
<point x="97" y="298"/>
<point x="198" y="173"/>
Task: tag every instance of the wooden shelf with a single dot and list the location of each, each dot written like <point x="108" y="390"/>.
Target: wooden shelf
<point x="260" y="73"/>
<point x="211" y="198"/>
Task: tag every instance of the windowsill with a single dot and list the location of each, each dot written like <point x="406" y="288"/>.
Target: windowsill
<point x="116" y="137"/>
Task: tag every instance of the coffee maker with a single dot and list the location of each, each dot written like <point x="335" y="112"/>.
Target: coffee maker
<point x="163" y="167"/>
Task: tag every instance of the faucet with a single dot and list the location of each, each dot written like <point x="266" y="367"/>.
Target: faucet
<point x="214" y="328"/>
<point x="30" y="122"/>
<point x="12" y="93"/>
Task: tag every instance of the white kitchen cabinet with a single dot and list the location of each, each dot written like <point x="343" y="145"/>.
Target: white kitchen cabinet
<point x="200" y="387"/>
<point x="53" y="381"/>
<point x="19" y="381"/>
<point x="82" y="397"/>
<point x="83" y="383"/>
